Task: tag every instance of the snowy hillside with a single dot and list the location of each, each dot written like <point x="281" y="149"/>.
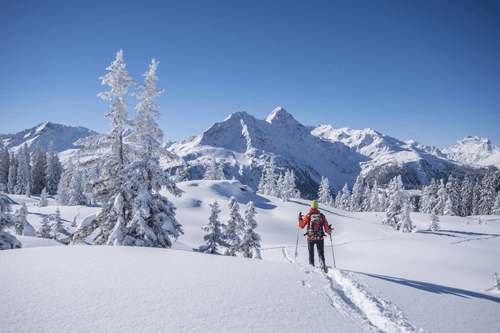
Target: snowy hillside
<point x="62" y="136"/>
<point x="474" y="151"/>
<point x="385" y="281"/>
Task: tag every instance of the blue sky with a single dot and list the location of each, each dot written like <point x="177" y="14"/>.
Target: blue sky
<point x="422" y="70"/>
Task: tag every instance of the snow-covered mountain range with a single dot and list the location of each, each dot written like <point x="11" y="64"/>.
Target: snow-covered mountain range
<point x="244" y="144"/>
<point x="62" y="136"/>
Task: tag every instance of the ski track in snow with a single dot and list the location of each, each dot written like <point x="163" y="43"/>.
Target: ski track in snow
<point x="354" y="300"/>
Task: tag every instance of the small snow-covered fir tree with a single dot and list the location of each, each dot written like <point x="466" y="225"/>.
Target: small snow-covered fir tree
<point x="233" y="228"/>
<point x="57" y="225"/>
<point x="44" y="230"/>
<point x="220" y="172"/>
<point x="338" y="203"/>
<point x="44" y="202"/>
<point x="324" y="195"/>
<point x="20" y="219"/>
<point x="250" y="243"/>
<point x="406" y="224"/>
<point x="496" y="281"/>
<point x="53" y="170"/>
<point x="12" y="181"/>
<point x="425" y="201"/>
<point x="433" y="222"/>
<point x="7" y="241"/>
<point x="214" y="236"/>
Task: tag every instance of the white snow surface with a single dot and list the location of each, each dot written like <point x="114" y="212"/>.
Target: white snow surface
<point x="384" y="281"/>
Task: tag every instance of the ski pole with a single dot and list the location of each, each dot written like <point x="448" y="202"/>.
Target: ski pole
<point x="298" y="232"/>
<point x="331" y="243"/>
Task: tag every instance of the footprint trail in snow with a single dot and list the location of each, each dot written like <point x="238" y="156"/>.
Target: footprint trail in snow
<point x="354" y="300"/>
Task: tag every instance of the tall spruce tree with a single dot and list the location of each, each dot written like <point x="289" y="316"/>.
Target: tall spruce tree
<point x="12" y="182"/>
<point x="109" y="190"/>
<point x="149" y="216"/>
<point x="23" y="182"/>
<point x="233" y="228"/>
<point x="4" y="163"/>
<point x="38" y="162"/>
<point x="53" y="170"/>
<point x="467" y="193"/>
<point x="487" y="192"/>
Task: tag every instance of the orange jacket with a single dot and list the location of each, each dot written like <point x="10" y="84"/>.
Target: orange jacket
<point x="304" y="222"/>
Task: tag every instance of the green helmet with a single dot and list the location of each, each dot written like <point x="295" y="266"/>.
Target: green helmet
<point x="314" y="204"/>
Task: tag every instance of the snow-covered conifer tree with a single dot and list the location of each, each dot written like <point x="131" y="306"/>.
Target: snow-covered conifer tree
<point x="56" y="227"/>
<point x="496" y="283"/>
<point x="425" y="201"/>
<point x="7" y="241"/>
<point x="476" y="198"/>
<point x="53" y="170"/>
<point x="434" y="222"/>
<point x="65" y="183"/>
<point x="250" y="243"/>
<point x="357" y="193"/>
<point x="452" y="204"/>
<point x="397" y="215"/>
<point x="375" y="199"/>
<point x="76" y="196"/>
<point x="44" y="231"/>
<point x="12" y="182"/>
<point x="214" y="236"/>
<point x="496" y="206"/>
<point x="38" y="162"/>
<point x="324" y="195"/>
<point x="338" y="201"/>
<point x="20" y="219"/>
<point x="44" y="202"/>
<point x="487" y="192"/>
<point x="345" y="199"/>
<point x="365" y="201"/>
<point x="233" y="228"/>
<point x="109" y="190"/>
<point x="442" y="197"/>
<point x="466" y="193"/>
<point x="150" y="220"/>
<point x="220" y="172"/>
<point x="23" y="183"/>
<point x="269" y="181"/>
<point x="211" y="169"/>
<point x="4" y="163"/>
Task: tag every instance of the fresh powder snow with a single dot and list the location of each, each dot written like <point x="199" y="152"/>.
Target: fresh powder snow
<point x="384" y="280"/>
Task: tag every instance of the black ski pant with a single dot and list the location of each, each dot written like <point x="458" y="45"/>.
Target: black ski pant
<point x="320" y="245"/>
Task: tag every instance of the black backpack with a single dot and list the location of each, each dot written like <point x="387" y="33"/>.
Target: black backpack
<point x="316" y="230"/>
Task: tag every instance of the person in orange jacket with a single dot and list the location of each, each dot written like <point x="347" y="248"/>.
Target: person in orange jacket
<point x="317" y="225"/>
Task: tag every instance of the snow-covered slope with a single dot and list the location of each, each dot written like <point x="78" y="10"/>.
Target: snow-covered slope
<point x="385" y="281"/>
<point x="475" y="151"/>
<point x="62" y="136"/>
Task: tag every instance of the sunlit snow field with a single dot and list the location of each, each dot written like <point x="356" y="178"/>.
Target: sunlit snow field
<point x="385" y="281"/>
